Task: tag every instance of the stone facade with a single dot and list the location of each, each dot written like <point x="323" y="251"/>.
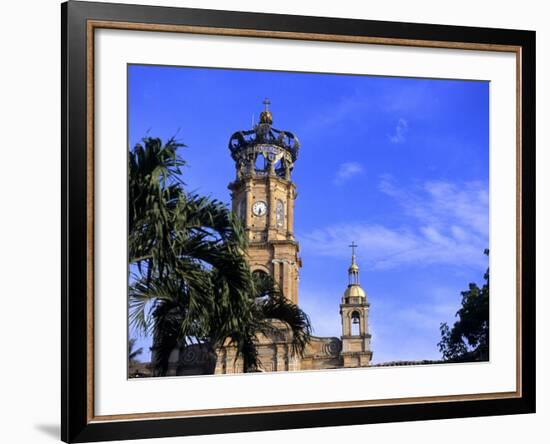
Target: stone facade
<point x="269" y="229"/>
<point x="275" y="355"/>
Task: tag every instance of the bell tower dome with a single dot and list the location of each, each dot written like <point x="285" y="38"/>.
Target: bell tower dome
<point x="354" y="310"/>
<point x="263" y="195"/>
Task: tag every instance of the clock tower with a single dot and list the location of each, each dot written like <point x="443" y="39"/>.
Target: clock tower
<point x="263" y="197"/>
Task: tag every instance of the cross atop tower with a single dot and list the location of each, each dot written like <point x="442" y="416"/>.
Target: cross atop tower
<point x="266" y="103"/>
<point x="353" y="270"/>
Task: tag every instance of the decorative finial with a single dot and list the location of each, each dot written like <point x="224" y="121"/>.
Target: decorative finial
<point x="353" y="246"/>
<point x="353" y="270"/>
<point x="265" y="115"/>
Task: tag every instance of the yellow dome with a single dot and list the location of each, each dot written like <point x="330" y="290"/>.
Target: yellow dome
<point x="355" y="290"/>
<point x="266" y="117"/>
<point x="353" y="268"/>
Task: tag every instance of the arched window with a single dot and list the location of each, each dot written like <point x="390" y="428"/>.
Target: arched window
<point x="260" y="163"/>
<point x="280" y="213"/>
<point x="355" y="328"/>
<point x="279" y="168"/>
<point x="241" y="210"/>
<point x="262" y="283"/>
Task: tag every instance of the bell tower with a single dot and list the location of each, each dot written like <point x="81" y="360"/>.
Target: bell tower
<point x="263" y="197"/>
<point x="354" y="311"/>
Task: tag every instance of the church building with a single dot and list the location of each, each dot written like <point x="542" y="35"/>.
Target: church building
<point x="263" y="195"/>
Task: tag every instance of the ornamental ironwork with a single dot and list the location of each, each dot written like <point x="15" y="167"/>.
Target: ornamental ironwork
<point x="264" y="150"/>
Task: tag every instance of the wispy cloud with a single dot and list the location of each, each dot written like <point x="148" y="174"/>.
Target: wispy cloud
<point x="443" y="223"/>
<point x="400" y="131"/>
<point x="463" y="207"/>
<point x="346" y="171"/>
<point x="411" y="98"/>
<point x="348" y="108"/>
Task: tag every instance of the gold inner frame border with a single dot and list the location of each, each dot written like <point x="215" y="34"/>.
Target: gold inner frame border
<point x="92" y="25"/>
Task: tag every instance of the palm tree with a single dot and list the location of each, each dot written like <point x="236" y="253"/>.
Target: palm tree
<point x="267" y="305"/>
<point x="190" y="281"/>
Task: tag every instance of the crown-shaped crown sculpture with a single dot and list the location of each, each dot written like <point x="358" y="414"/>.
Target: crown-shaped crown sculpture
<point x="264" y="150"/>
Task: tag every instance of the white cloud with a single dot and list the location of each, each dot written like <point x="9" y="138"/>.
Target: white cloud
<point x="400" y="131"/>
<point x="346" y="171"/>
<point x="447" y="224"/>
<point x="437" y="203"/>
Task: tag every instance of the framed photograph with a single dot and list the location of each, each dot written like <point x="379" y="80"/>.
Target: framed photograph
<point x="275" y="221"/>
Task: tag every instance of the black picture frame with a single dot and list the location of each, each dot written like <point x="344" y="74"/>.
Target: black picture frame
<point x="76" y="423"/>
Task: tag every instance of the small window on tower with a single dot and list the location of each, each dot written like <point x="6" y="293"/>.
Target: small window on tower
<point x="280" y="213"/>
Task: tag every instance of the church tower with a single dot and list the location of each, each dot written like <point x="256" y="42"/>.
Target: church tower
<point x="354" y="311"/>
<point x="263" y="197"/>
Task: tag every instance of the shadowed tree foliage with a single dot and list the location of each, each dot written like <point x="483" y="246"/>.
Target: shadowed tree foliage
<point x="267" y="304"/>
<point x="189" y="279"/>
<point x="133" y="353"/>
<point x="468" y="339"/>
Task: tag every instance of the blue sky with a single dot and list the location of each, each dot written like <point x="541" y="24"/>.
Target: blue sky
<point x="398" y="165"/>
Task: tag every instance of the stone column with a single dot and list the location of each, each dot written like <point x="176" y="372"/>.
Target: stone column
<point x="271" y="215"/>
<point x="281" y="364"/>
<point x="248" y="208"/>
<point x="287" y="283"/>
<point x="221" y="361"/>
<point x="345" y="323"/>
<point x="290" y="212"/>
<point x="276" y="273"/>
<point x="295" y="283"/>
<point x="231" y="366"/>
<point x="294" y="363"/>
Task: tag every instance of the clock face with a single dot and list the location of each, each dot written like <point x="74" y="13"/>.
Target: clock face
<point x="259" y="208"/>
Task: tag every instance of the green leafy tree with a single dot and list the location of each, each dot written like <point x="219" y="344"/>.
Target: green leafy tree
<point x="468" y="339"/>
<point x="190" y="281"/>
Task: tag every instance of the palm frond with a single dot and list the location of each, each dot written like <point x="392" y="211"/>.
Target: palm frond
<point x="190" y="280"/>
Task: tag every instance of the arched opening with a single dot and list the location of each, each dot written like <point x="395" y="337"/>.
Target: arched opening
<point x="279" y="168"/>
<point x="260" y="164"/>
<point x="262" y="284"/>
<point x="355" y="327"/>
<point x="241" y="210"/>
